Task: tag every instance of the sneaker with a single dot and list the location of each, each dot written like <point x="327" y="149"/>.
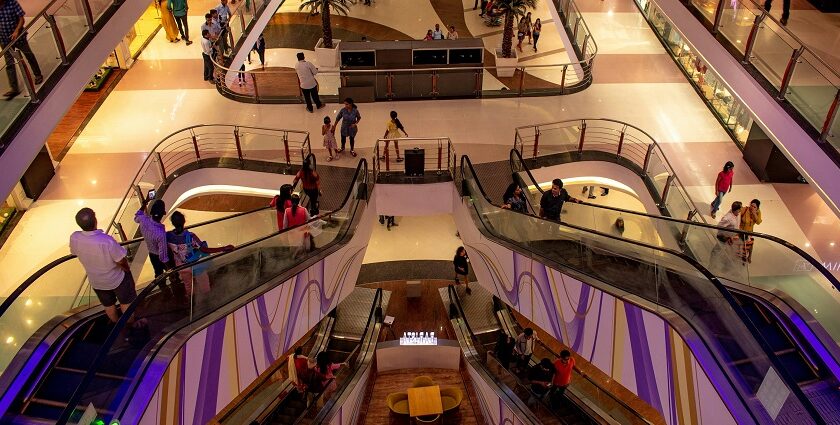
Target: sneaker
<point x="311" y="111"/>
<point x="399" y="159"/>
<point x="353" y="153"/>
<point x="39" y="79"/>
<point x="189" y="42"/>
<point x="11" y="94"/>
<point x="784" y="21"/>
<point x="321" y="105"/>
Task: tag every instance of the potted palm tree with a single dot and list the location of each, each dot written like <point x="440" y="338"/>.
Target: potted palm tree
<point x="513" y="10"/>
<point x="326" y="50"/>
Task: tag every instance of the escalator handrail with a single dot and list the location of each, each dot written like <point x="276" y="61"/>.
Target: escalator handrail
<point x="361" y="172"/>
<point x="453" y="296"/>
<point x="339" y="392"/>
<point x="725" y="294"/>
<point x="835" y="283"/>
<point x="43" y="270"/>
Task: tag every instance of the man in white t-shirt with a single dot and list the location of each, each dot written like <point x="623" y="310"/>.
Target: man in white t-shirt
<point x="306" y="72"/>
<point x="105" y="263"/>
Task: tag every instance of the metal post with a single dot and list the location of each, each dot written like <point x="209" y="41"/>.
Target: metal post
<point x="751" y="39"/>
<point x="387" y="156"/>
<point x="536" y="140"/>
<point x="585" y="43"/>
<point x="434" y="84"/>
<point x="620" y="142"/>
<point x="389" y="79"/>
<point x="449" y="154"/>
<point x="241" y="21"/>
<point x="648" y="154"/>
<point x="574" y="33"/>
<point x="521" y="79"/>
<point x="563" y="78"/>
<point x="161" y="170"/>
<point x="440" y="156"/>
<point x="139" y="193"/>
<point x="791" y="66"/>
<point x="59" y="41"/>
<point x="27" y="75"/>
<point x="582" y="136"/>
<point x="831" y="118"/>
<point x="195" y="146"/>
<point x="120" y="232"/>
<point x="477" y="83"/>
<point x="256" y="91"/>
<point x="718" y="16"/>
<point x="667" y="190"/>
<point x="286" y="147"/>
<point x="88" y="15"/>
<point x="238" y="145"/>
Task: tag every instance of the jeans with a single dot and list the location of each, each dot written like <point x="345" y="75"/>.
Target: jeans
<point x="312" y="194"/>
<point x="310" y="96"/>
<point x="344" y="141"/>
<point x="717" y="201"/>
<point x="183" y="27"/>
<point x="208" y="67"/>
<point x="785" y="8"/>
<point x="23" y="46"/>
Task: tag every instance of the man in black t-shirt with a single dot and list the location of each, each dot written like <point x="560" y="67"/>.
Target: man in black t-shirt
<point x="551" y="203"/>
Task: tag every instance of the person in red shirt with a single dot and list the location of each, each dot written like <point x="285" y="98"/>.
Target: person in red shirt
<point x="563" y="368"/>
<point x="281" y="202"/>
<point x="723" y="185"/>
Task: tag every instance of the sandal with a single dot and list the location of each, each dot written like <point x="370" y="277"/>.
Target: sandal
<point x="353" y="153"/>
<point x="399" y="159"/>
<point x="329" y="159"/>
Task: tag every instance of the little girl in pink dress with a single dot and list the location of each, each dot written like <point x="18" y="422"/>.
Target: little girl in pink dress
<point x="329" y="138"/>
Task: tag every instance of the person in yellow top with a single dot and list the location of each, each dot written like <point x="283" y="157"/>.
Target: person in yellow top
<point x="392" y="132"/>
<point x="749" y="218"/>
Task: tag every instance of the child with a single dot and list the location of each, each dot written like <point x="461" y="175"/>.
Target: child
<point x="328" y="132"/>
<point x="392" y="132"/>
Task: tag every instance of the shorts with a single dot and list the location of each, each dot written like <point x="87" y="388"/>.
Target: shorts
<point x="125" y="292"/>
<point x="520" y="35"/>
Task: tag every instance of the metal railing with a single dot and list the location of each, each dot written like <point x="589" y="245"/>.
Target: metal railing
<point x="797" y="74"/>
<point x="281" y="85"/>
<point x="438" y="155"/>
<point x="622" y="142"/>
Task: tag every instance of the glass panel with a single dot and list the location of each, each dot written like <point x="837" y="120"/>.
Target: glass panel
<point x="657" y="171"/>
<point x="707" y="8"/>
<point x="10" y="109"/>
<point x="144" y="29"/>
<point x="98" y="7"/>
<point x="71" y="22"/>
<point x="771" y="53"/>
<point x="736" y="22"/>
<point x="42" y="43"/>
<point x="834" y="131"/>
<point x="811" y="91"/>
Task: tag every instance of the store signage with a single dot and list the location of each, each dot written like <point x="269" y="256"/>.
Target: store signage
<point x="418" y="338"/>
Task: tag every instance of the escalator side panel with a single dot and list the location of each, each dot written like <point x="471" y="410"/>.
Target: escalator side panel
<point x="653" y="355"/>
<point x="217" y="363"/>
<point x="493" y="408"/>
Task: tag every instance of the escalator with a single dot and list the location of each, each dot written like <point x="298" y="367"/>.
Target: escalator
<point x="485" y="319"/>
<point x="80" y="358"/>
<point x="809" y="355"/>
<point x="664" y="279"/>
<point x="348" y="335"/>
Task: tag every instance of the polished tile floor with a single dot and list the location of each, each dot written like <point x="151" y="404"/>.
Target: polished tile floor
<point x="636" y="83"/>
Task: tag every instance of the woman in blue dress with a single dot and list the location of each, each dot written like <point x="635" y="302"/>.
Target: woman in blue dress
<point x="349" y="116"/>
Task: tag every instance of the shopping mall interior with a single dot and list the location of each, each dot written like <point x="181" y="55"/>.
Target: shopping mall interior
<point x="440" y="272"/>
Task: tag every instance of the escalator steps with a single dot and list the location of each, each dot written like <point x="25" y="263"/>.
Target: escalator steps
<point x="797" y="367"/>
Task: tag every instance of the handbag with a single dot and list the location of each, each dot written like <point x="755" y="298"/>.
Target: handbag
<point x="195" y="253"/>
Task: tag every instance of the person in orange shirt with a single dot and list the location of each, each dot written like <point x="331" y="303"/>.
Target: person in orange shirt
<point x="563" y="368"/>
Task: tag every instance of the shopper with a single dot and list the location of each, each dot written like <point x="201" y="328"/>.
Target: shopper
<point x="462" y="267"/>
<point x="188" y="248"/>
<point x="750" y="217"/>
<point x="514" y="199"/>
<point x="388" y="221"/>
<point x="324" y="376"/>
<point x="521" y="29"/>
<point x="212" y="27"/>
<point x="282" y="201"/>
<point x="168" y="22"/>
<point x="429" y="36"/>
<point x="551" y="203"/>
<point x="504" y="349"/>
<point x="529" y="24"/>
<point x="437" y="34"/>
<point x="224" y="13"/>
<point x="11" y="27"/>
<point x="206" y="54"/>
<point x="540" y="377"/>
<point x="392" y="133"/>
<point x="311" y="183"/>
<point x="563" y="368"/>
<point x="259" y="47"/>
<point x="524" y="348"/>
<point x="105" y="263"/>
<point x="350" y="126"/>
<point x="298" y="369"/>
<point x="785" y="10"/>
<point x="300" y="238"/>
<point x="154" y="234"/>
<point x="452" y="34"/>
<point x="306" y="73"/>
<point x="727" y="239"/>
<point x="536" y="32"/>
<point x="179" y="10"/>
<point x="328" y="132"/>
<point x="723" y="185"/>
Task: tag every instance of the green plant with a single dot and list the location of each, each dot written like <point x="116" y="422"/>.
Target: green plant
<point x="513" y="11"/>
<point x="324" y="6"/>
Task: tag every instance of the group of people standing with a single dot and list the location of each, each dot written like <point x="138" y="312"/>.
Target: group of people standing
<point x="437" y="34"/>
<point x="312" y="377"/>
<point x="737" y="217"/>
<point x="529" y="28"/>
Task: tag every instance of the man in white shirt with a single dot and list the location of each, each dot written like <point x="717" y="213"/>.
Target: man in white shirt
<point x="212" y="26"/>
<point x="105" y="264"/>
<point x="437" y="34"/>
<point x="730" y="220"/>
<point x="206" y="52"/>
<point x="224" y="13"/>
<point x="306" y="73"/>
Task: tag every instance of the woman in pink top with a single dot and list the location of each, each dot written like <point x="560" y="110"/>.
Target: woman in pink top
<point x="281" y="202"/>
<point x="723" y="185"/>
<point x="297" y="216"/>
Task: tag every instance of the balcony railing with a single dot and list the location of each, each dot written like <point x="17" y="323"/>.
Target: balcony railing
<point x="281" y="85"/>
<point x="390" y="158"/>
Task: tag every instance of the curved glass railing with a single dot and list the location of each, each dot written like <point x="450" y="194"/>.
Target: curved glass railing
<point x="669" y="282"/>
<point x="56" y="36"/>
<point x="61" y="285"/>
<point x="281" y="85"/>
<point x="775" y="265"/>
<point x="223" y="279"/>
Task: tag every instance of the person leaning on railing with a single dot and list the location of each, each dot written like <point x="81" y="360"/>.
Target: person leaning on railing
<point x="11" y="27"/>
